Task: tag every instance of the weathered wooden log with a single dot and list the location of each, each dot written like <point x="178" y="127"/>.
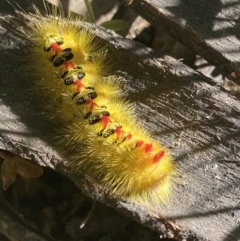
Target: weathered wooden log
<point x="185" y="110"/>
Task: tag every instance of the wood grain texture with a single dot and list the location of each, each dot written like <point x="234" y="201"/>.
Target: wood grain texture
<point x="210" y="28"/>
<point x="186" y="111"/>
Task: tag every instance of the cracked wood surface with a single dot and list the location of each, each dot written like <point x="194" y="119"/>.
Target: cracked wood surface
<point x="186" y="111"/>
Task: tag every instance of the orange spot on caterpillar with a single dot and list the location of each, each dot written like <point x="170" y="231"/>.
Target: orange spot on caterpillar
<point x="129" y="136"/>
<point x="139" y="143"/>
<point x="119" y="132"/>
<point x="56" y="48"/>
<point x="158" y="156"/>
<point x="148" y="148"/>
<point x="105" y="120"/>
<point x="68" y="64"/>
<point x="91" y="103"/>
<point x="79" y="84"/>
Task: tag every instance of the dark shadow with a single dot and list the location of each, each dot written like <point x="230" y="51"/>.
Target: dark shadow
<point x="235" y="233"/>
<point x="99" y="8"/>
<point x="199" y="15"/>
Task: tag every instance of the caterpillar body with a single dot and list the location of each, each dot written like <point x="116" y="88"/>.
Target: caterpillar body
<point x="98" y="128"/>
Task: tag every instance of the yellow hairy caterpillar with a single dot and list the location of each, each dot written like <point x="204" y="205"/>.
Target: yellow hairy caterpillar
<point x="98" y="128"/>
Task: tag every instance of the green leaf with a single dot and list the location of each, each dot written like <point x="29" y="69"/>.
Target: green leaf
<point x="115" y="25"/>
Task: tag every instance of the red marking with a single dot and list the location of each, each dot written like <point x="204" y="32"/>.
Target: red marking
<point x="79" y="84"/>
<point x="148" y="148"/>
<point x="69" y="64"/>
<point x="119" y="132"/>
<point x="139" y="143"/>
<point x="91" y="103"/>
<point x="129" y="136"/>
<point x="56" y="48"/>
<point x="105" y="120"/>
<point x="158" y="156"/>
